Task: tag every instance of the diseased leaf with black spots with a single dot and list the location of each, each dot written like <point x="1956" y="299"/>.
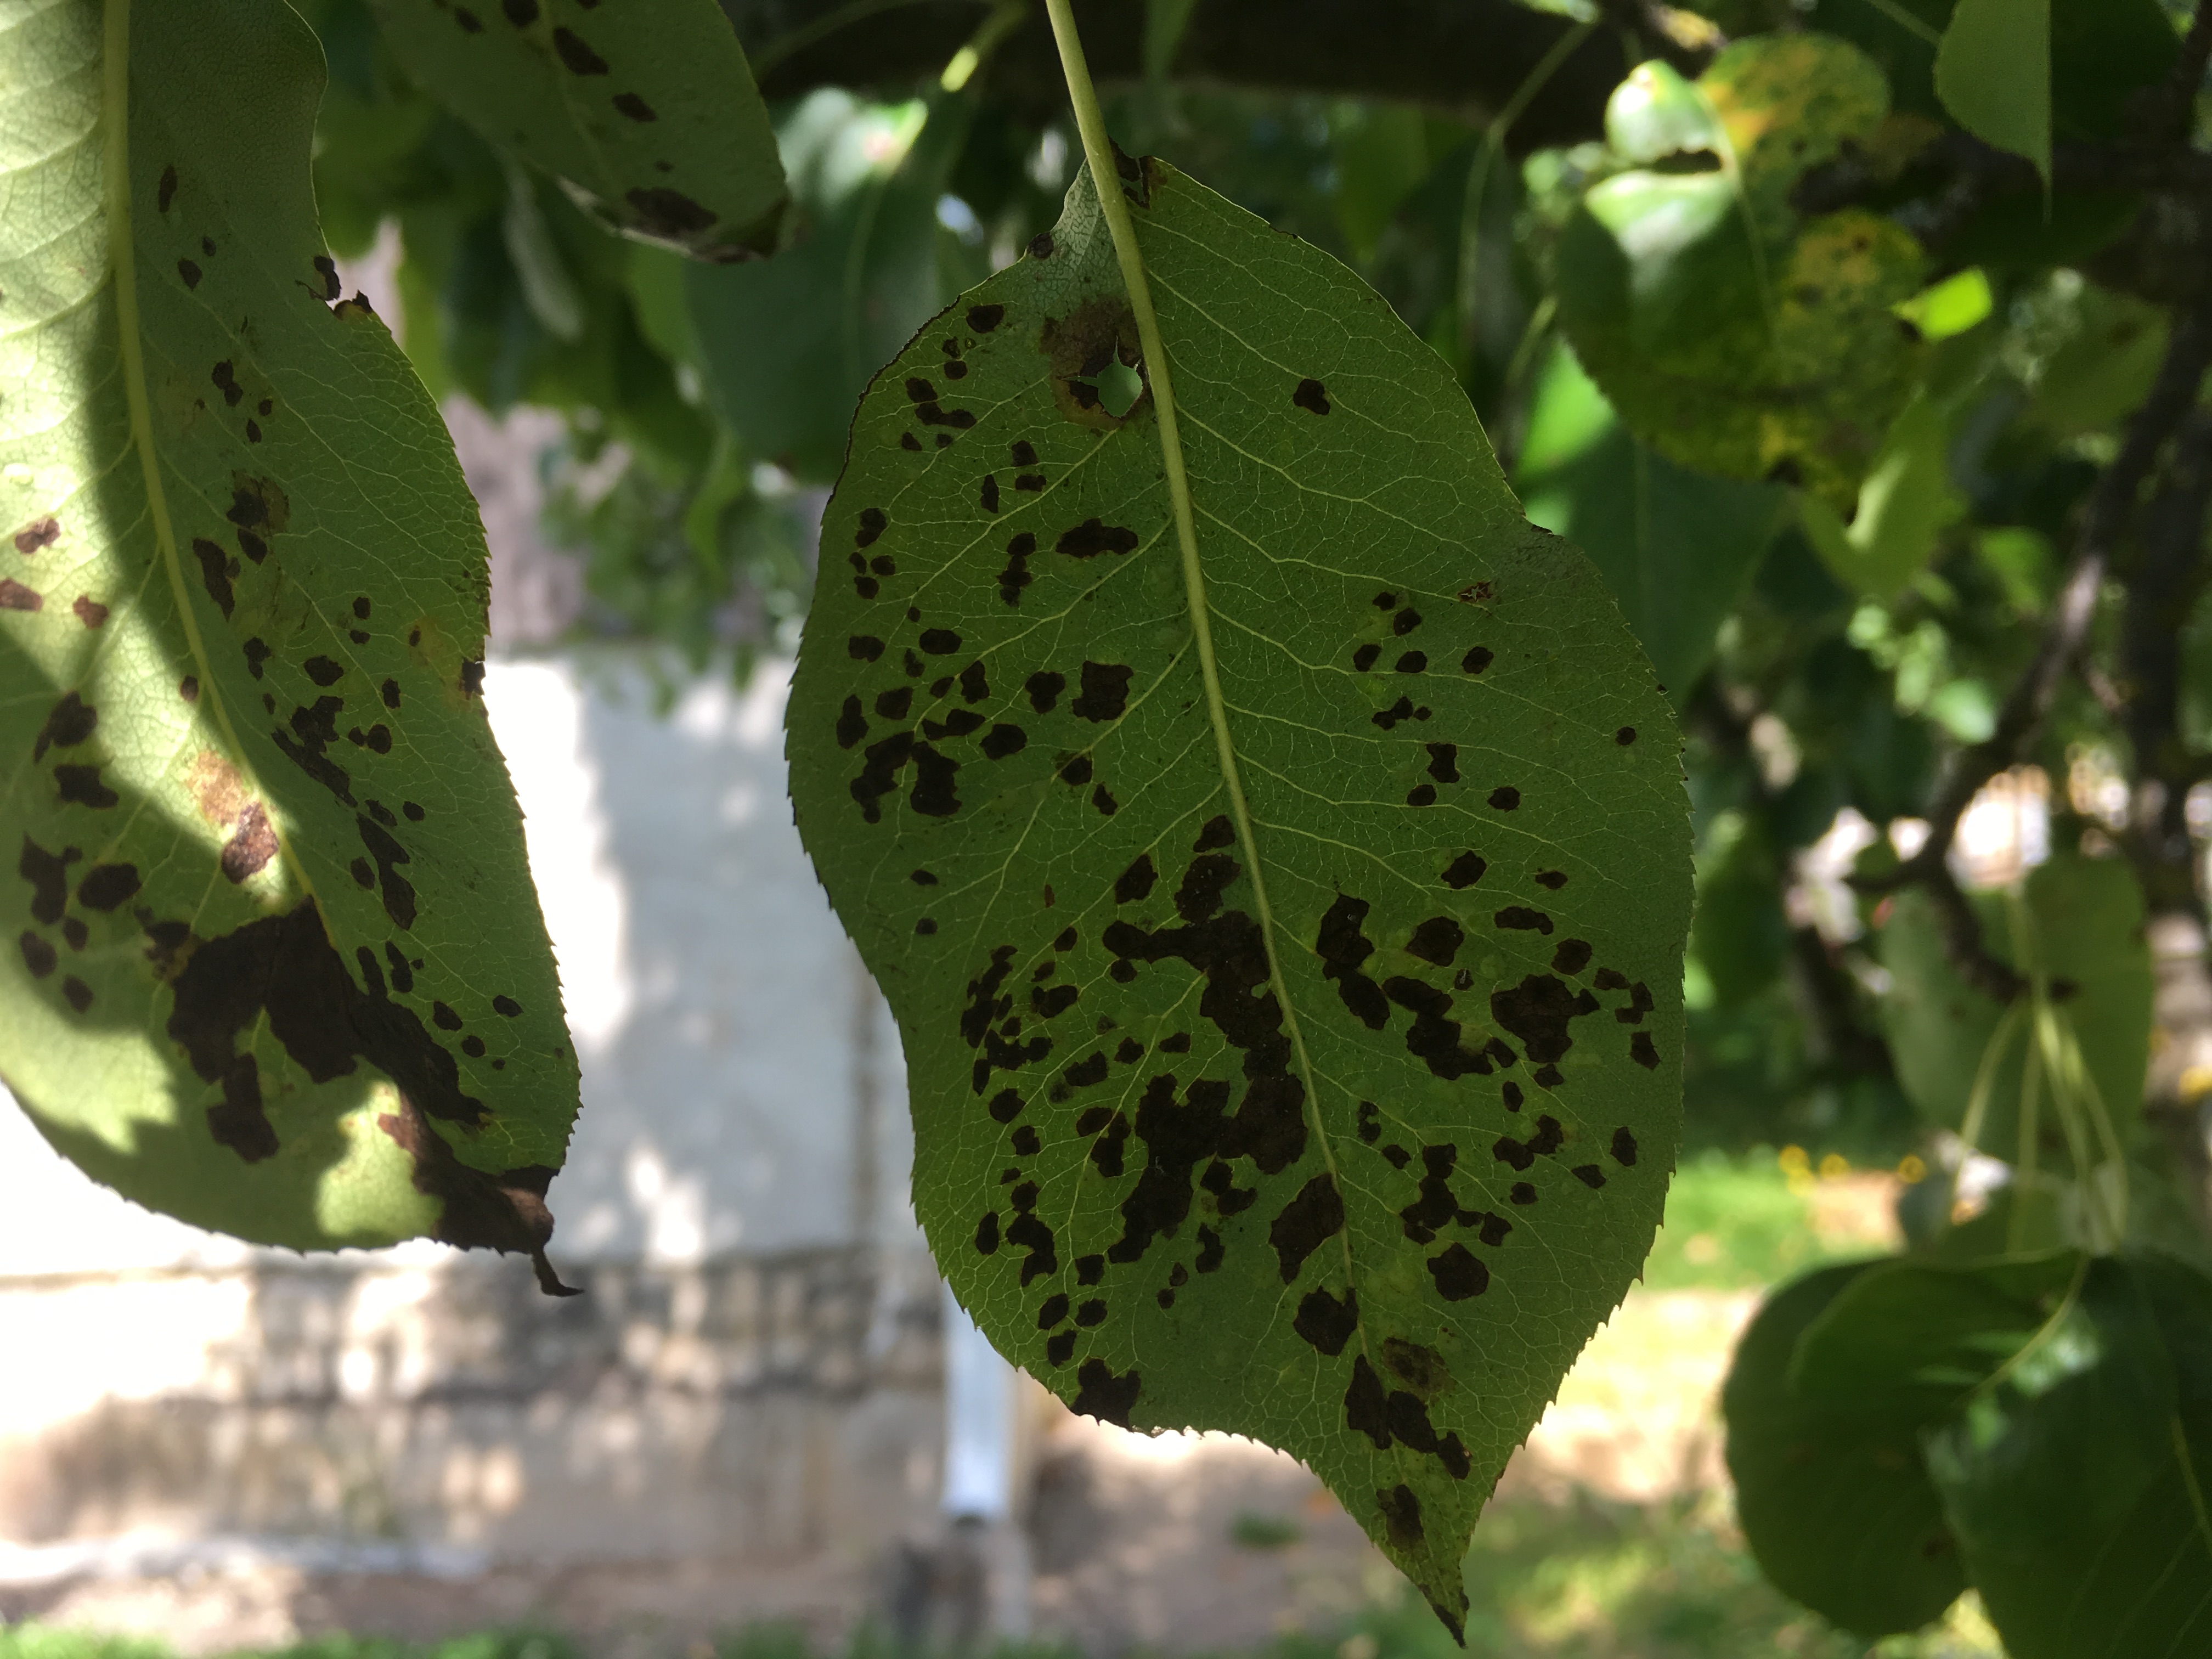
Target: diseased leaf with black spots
<point x="1266" y="1143"/>
<point x="653" y="122"/>
<point x="253" y="828"/>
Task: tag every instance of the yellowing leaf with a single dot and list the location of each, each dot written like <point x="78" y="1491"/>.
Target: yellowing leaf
<point x="1732" y="336"/>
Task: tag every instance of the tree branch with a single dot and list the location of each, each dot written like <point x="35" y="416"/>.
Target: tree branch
<point x="2163" y="586"/>
<point x="2166" y="114"/>
<point x="2111" y="510"/>
<point x="1824" y="991"/>
<point x="1459" y="57"/>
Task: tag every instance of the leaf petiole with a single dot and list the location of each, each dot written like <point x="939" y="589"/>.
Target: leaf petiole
<point x="1105" y="177"/>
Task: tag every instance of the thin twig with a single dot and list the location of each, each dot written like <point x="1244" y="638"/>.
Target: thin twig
<point x="2166" y="113"/>
<point x="2163" y="586"/>
<point x="2111" y="509"/>
<point x="1843" y="1045"/>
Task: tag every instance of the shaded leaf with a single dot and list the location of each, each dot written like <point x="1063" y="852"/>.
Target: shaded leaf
<point x="274" y="964"/>
<point x="1676" y="547"/>
<point x="1993" y="74"/>
<point x="2074" y="1481"/>
<point x="1733" y="334"/>
<point x="787" y="346"/>
<point x="1354" y="1161"/>
<point x="658" y="129"/>
<point x="1830" y="1488"/>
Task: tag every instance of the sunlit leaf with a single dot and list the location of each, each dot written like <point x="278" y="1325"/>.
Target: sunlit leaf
<point x="275" y="965"/>
<point x="1904" y="502"/>
<point x="788" y="345"/>
<point x="1337" y="1112"/>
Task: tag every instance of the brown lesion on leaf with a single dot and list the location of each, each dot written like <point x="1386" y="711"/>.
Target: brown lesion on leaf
<point x="221" y="796"/>
<point x="285" y="967"/>
<point x="1081" y="345"/>
<point x="505" y="1212"/>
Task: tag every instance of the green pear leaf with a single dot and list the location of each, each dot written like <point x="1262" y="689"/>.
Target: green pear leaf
<point x="2074" y="1479"/>
<point x="1677" y="548"/>
<point x="654" y="125"/>
<point x="1302" y="1060"/>
<point x="274" y="965"/>
<point x="1993" y="74"/>
<point x="1734" y="335"/>
<point x="1830" y="1489"/>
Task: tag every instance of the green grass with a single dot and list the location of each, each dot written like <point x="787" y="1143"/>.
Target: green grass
<point x="1733" y="1223"/>
<point x="43" y="1642"/>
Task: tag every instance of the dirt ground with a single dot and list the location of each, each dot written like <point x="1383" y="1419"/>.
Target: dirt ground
<point x="1182" y="1543"/>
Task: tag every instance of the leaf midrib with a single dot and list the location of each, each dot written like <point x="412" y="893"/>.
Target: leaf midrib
<point x="122" y="261"/>
<point x="1106" y="188"/>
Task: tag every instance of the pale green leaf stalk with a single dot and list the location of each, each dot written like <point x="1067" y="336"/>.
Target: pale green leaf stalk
<point x="273" y="963"/>
<point x="1272" y="847"/>
<point x="651" y="122"/>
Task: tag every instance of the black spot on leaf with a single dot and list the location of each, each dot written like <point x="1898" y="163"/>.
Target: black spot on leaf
<point x="1589" y="1175"/>
<point x="1044" y="689"/>
<point x="1443" y="762"/>
<point x="1102" y="1394"/>
<point x="80" y="785"/>
<point x="1437" y="940"/>
<point x="1363" y="658"/>
<point x="1091" y="537"/>
<point x="1304" y="1224"/>
<point x="1105" y="692"/>
<point x="1505" y="798"/>
<point x="1459" y="1273"/>
<point x="1366" y="1404"/>
<point x="1135" y="882"/>
<point x="576" y="55"/>
<point x="1464" y="871"/>
<point x="1644" y="1051"/>
<point x="106" y="886"/>
<point x="1477" y="660"/>
<point x="1326" y="1321"/>
<point x="984" y="319"/>
<point x="1312" y="396"/>
<point x="1343" y="947"/>
<point x="1203" y="884"/>
<point x="1401" y="1516"/>
<point x="1520" y="916"/>
<point x="68" y="724"/>
<point x="214" y="572"/>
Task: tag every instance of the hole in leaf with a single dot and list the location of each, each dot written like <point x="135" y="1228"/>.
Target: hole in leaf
<point x="1119" y="388"/>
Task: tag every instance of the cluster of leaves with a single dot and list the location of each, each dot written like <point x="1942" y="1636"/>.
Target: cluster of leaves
<point x="1272" y="845"/>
